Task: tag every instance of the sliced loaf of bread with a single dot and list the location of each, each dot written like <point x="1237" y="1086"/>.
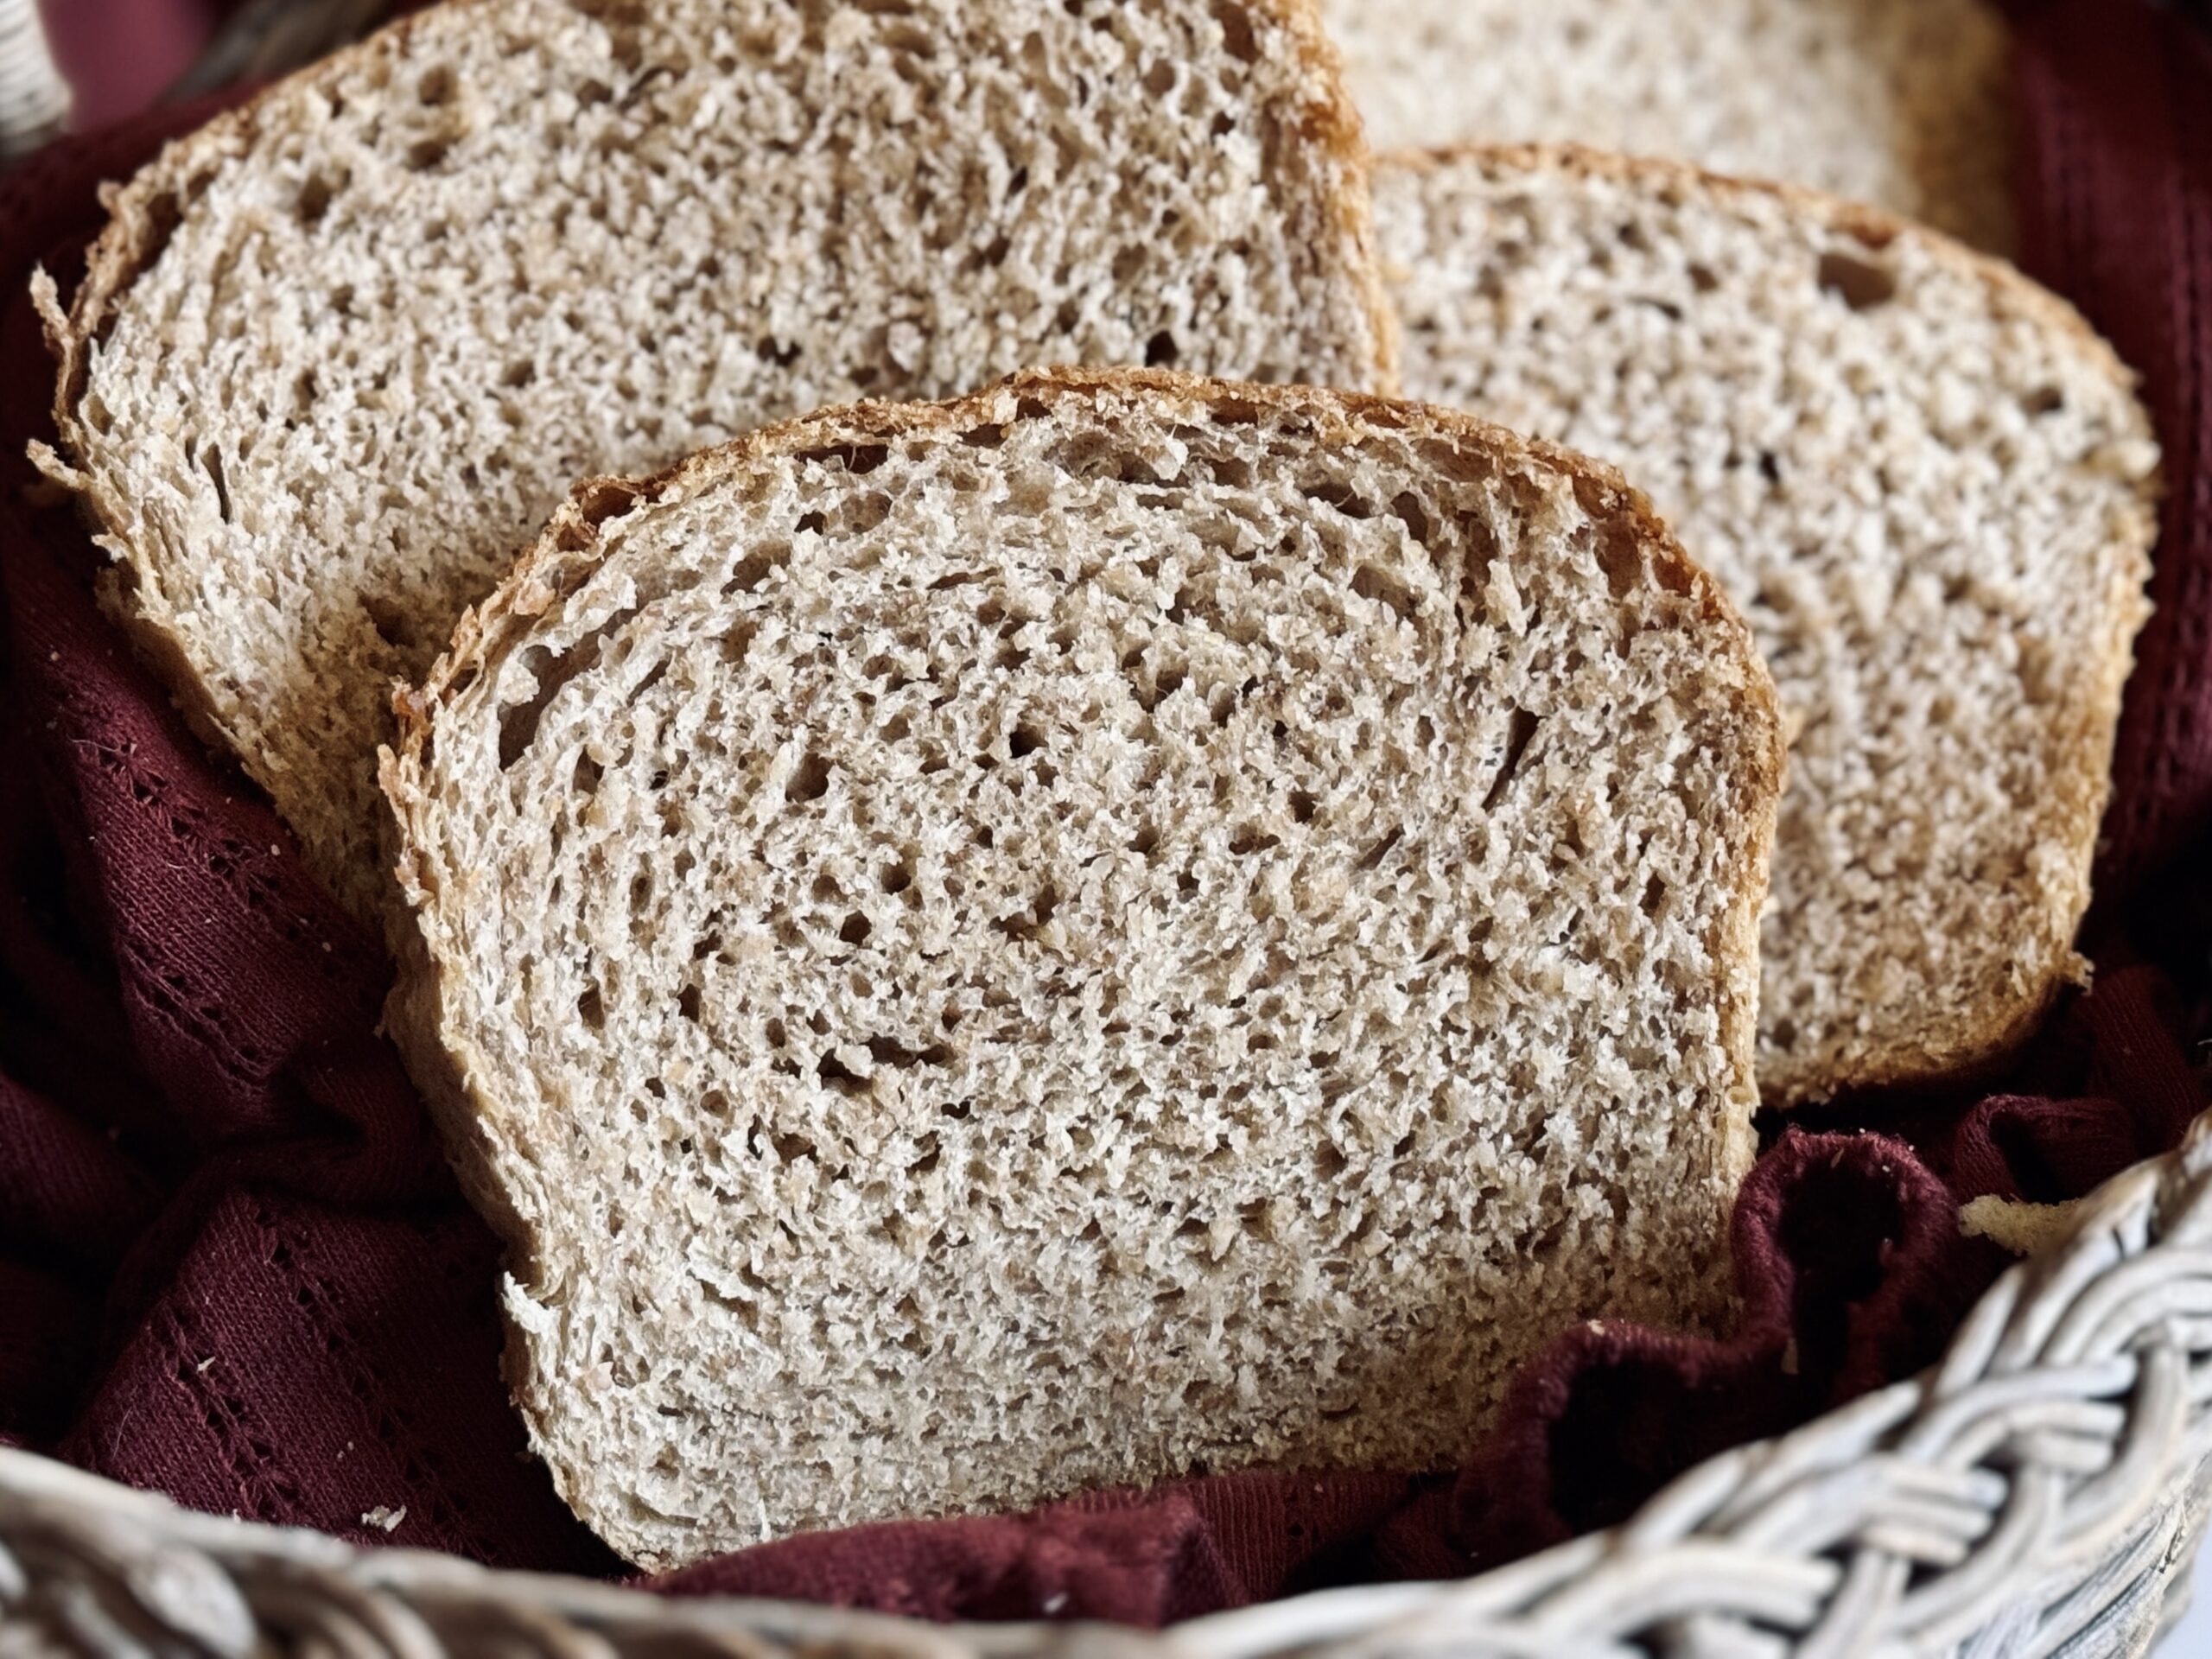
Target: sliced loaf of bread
<point x="1930" y="486"/>
<point x="339" y="354"/>
<point x="1122" y="925"/>
<point x="1897" y="102"/>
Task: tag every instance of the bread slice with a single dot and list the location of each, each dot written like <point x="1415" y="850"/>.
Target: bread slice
<point x="1930" y="488"/>
<point x="1902" y="103"/>
<point x="1124" y="925"/>
<point x="339" y="354"/>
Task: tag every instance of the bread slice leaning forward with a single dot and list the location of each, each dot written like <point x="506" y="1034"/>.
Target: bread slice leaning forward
<point x="1903" y="103"/>
<point x="1122" y="925"/>
<point x="1931" y="490"/>
<point x="339" y="353"/>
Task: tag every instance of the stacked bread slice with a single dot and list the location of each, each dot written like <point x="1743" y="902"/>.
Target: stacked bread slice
<point x="1131" y="921"/>
<point x="1124" y="924"/>
<point x="1929" y="488"/>
<point x="341" y="353"/>
<point x="1899" y="102"/>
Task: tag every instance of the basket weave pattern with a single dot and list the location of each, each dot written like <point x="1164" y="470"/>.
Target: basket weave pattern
<point x="2036" y="1492"/>
<point x="33" y="99"/>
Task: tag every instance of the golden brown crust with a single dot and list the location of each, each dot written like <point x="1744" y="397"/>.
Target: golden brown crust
<point x="565" y="557"/>
<point x="1334" y="123"/>
<point x="2080" y="793"/>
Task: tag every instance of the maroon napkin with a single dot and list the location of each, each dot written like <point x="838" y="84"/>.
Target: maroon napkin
<point x="232" y="1266"/>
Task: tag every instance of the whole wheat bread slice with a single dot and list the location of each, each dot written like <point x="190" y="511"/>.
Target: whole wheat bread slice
<point x="1121" y="925"/>
<point x="1930" y="486"/>
<point x="1902" y="103"/>
<point x="339" y="353"/>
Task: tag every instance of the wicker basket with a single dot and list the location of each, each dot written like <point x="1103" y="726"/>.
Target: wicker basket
<point x="33" y="99"/>
<point x="2041" y="1491"/>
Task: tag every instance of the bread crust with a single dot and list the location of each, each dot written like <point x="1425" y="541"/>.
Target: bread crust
<point x="1978" y="1046"/>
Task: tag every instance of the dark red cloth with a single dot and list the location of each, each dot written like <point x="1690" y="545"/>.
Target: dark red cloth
<point x="232" y="1266"/>
<point x="119" y="55"/>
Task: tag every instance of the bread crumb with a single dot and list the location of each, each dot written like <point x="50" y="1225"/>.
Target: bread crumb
<point x="2016" y="1225"/>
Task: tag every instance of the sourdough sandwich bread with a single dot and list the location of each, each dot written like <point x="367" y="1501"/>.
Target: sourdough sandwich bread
<point x="1930" y="489"/>
<point x="1898" y="102"/>
<point x="1122" y="925"/>
<point x="339" y="354"/>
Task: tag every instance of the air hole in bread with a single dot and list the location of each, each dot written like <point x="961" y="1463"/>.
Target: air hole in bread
<point x="1161" y="351"/>
<point x="1407" y="511"/>
<point x="213" y="462"/>
<point x="1702" y="279"/>
<point x="392" y="620"/>
<point x="1373" y="857"/>
<point x="314" y="199"/>
<point x="1341" y="497"/>
<point x="2044" y="400"/>
<point x="855" y="929"/>
<point x="591" y="1008"/>
<point x="1372" y="583"/>
<point x="747" y="576"/>
<point x="810" y="779"/>
<point x="426" y="153"/>
<point x="889" y="1051"/>
<point x="1237" y="37"/>
<point x="518" y="722"/>
<point x="1250" y="838"/>
<point x="436" y="85"/>
<point x="1859" y="283"/>
<point x="790" y="1146"/>
<point x="1519" y="734"/>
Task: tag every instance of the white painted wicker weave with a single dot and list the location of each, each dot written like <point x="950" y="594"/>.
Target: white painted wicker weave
<point x="2038" y="1493"/>
<point x="33" y="99"/>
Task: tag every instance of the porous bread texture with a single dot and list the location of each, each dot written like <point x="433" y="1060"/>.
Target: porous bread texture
<point x="339" y="353"/>
<point x="1929" y="488"/>
<point x="1120" y="926"/>
<point x="1902" y="103"/>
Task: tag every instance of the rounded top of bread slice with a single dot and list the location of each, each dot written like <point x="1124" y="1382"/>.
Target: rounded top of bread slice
<point x="1900" y="102"/>
<point x="339" y="354"/>
<point x="1120" y="925"/>
<point x="1930" y="486"/>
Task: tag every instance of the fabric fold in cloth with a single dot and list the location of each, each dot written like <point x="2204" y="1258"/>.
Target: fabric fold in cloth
<point x="233" y="1266"/>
